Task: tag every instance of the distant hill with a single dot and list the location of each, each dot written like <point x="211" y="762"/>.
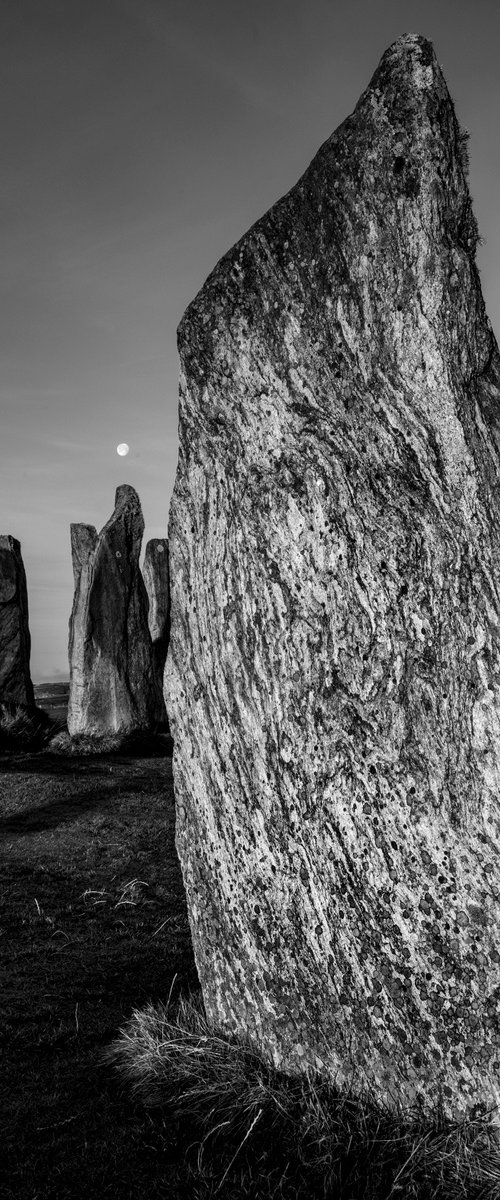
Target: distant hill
<point x="53" y="697"/>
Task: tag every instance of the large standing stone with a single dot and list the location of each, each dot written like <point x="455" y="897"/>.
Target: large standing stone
<point x="333" y="680"/>
<point x="15" y="643"/>
<point x="113" y="688"/>
<point x="157" y="579"/>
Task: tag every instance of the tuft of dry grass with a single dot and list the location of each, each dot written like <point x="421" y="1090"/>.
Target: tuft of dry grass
<point x="132" y="745"/>
<point x="24" y="728"/>
<point x="83" y="745"/>
<point x="170" y="1054"/>
<point x="333" y="1143"/>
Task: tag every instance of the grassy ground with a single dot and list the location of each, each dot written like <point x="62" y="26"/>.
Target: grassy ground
<point x="93" y="923"/>
<point x="93" y="926"/>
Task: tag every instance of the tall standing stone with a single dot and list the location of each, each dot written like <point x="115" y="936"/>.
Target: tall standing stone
<point x="15" y="643"/>
<point x="333" y="679"/>
<point x="156" y="575"/>
<point x="113" y="689"/>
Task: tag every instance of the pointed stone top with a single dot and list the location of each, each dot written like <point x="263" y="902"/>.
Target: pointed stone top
<point x="409" y="63"/>
<point x="126" y="495"/>
<point x="411" y="43"/>
<point x="411" y="39"/>
<point x="127" y="514"/>
<point x="380" y="223"/>
<point x="7" y="542"/>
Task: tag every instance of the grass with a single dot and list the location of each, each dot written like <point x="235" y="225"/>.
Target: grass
<point x="25" y="729"/>
<point x="305" y="1138"/>
<point x="137" y="744"/>
<point x="29" y="730"/>
<point x="93" y="924"/>
<point x="95" y="939"/>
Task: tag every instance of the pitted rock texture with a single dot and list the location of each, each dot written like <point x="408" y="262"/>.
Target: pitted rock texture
<point x="157" y="579"/>
<point x="15" y="642"/>
<point x="333" y="679"/>
<point x="113" y="688"/>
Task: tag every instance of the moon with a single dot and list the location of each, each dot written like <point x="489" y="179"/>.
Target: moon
<point x="122" y="449"/>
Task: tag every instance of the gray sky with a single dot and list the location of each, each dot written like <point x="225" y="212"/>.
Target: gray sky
<point x="139" y="140"/>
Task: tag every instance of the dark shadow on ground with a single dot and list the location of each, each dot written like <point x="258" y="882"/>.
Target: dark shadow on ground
<point x="70" y="808"/>
<point x="94" y="923"/>
<point x="44" y="762"/>
<point x="50" y="764"/>
<point x="68" y="788"/>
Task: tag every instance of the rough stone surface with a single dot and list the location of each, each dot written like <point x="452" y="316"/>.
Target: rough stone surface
<point x="113" y="688"/>
<point x="157" y="579"/>
<point x="15" y="643"/>
<point x="333" y="680"/>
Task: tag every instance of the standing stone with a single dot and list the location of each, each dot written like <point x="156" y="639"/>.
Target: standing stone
<point x="157" y="579"/>
<point x="112" y="689"/>
<point x="15" y="642"/>
<point x="333" y="680"/>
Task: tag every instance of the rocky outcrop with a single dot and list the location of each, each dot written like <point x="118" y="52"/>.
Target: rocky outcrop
<point x="156" y="577"/>
<point x="333" y="679"/>
<point x="15" y="643"/>
<point x="113" y="689"/>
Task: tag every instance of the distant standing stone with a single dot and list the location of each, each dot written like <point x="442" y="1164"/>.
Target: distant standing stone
<point x="157" y="579"/>
<point x="333" y="678"/>
<point x="113" y="688"/>
<point x="15" y="643"/>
